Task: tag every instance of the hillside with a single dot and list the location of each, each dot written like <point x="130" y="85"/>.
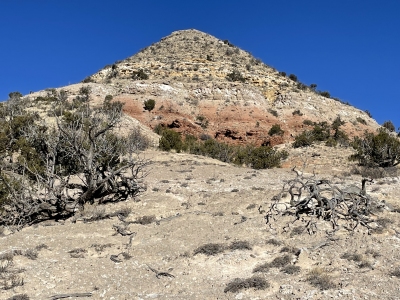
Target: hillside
<point x="187" y="75"/>
<point x="182" y="226"/>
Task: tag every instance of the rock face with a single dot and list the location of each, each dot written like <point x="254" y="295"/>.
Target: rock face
<point x="194" y="76"/>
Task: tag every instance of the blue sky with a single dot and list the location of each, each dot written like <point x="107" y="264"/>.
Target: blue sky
<point x="350" y="48"/>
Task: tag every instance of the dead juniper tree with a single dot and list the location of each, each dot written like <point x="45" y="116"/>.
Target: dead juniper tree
<point x="310" y="200"/>
<point x="51" y="172"/>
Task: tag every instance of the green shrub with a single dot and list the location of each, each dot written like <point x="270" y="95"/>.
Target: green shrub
<point x="258" y="283"/>
<point x="308" y="122"/>
<point x="275" y="130"/>
<point x="389" y="126"/>
<point x="139" y="75"/>
<point x="304" y="139"/>
<point x="149" y="104"/>
<point x="377" y="150"/>
<point x="170" y="140"/>
<point x="297" y="112"/>
<point x="265" y="157"/>
<point x="283" y="74"/>
<point x="293" y="77"/>
<point x="325" y="94"/>
<point x="108" y="98"/>
<point x="235" y="75"/>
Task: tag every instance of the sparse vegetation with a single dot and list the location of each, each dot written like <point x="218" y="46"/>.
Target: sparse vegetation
<point x="139" y="75"/>
<point x="377" y="150"/>
<point x="235" y="75"/>
<point x="238" y="284"/>
<point x="149" y="104"/>
<point x="276" y="130"/>
<point x="319" y="279"/>
<point x="40" y="162"/>
<point x="209" y="249"/>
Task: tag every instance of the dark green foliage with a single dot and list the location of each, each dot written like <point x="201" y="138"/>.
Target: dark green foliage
<point x="303" y="140"/>
<point x="293" y="77"/>
<point x="368" y="113"/>
<point x="313" y="86"/>
<point x="297" y="112"/>
<point x="14" y="95"/>
<point x="139" y="75"/>
<point x="265" y="157"/>
<point x="108" y="98"/>
<point x="209" y="249"/>
<point x="235" y="75"/>
<point x="87" y="79"/>
<point x="377" y="150"/>
<point x="149" y="104"/>
<point x="308" y="122"/>
<point x="238" y="284"/>
<point x="255" y="157"/>
<point x="283" y="74"/>
<point x="325" y="94"/>
<point x="276" y="130"/>
<point x="170" y="140"/>
<point x="389" y="126"/>
<point x="322" y="132"/>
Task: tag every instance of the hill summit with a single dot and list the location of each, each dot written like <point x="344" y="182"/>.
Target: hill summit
<point x="208" y="87"/>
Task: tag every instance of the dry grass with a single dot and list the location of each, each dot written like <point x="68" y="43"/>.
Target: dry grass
<point x="209" y="249"/>
<point x="145" y="220"/>
<point x="238" y="284"/>
<point x="240" y="245"/>
<point x="317" y="278"/>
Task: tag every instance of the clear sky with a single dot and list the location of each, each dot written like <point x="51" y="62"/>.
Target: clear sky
<point x="350" y="48"/>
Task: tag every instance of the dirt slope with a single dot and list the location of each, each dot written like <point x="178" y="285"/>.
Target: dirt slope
<point x="196" y="201"/>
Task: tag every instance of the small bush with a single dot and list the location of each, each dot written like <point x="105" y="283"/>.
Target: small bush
<point x="209" y="249"/>
<point x="170" y="140"/>
<point x="293" y="77"/>
<point x="280" y="261"/>
<point x="395" y="272"/>
<point x="240" y="245"/>
<point x="235" y="75"/>
<point x="283" y="74"/>
<point x="273" y="112"/>
<point x="139" y="75"/>
<point x="308" y="122"/>
<point x="377" y="150"/>
<point x="304" y="139"/>
<point x="274" y="242"/>
<point x="238" y="284"/>
<point x="149" y="104"/>
<point x="319" y="279"/>
<point x="389" y="126"/>
<point x="276" y="130"/>
<point x="145" y="220"/>
<point x="297" y="112"/>
<point x="291" y="269"/>
<point x="325" y="94"/>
